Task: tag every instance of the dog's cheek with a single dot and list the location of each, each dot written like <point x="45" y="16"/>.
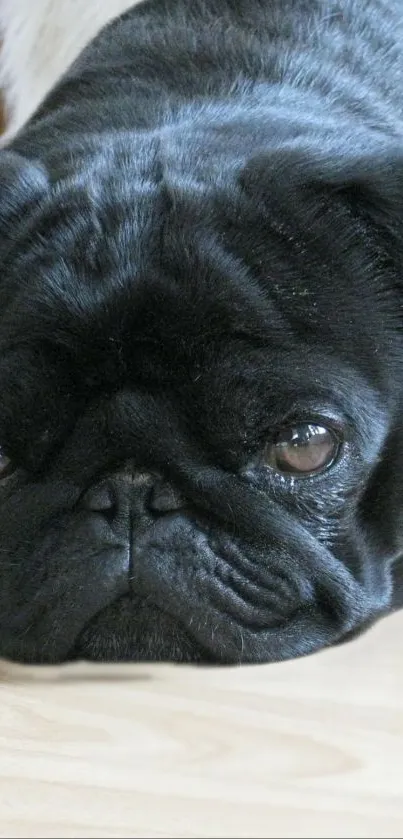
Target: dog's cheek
<point x="380" y="512"/>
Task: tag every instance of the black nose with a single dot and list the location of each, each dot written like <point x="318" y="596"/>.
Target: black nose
<point x="138" y="493"/>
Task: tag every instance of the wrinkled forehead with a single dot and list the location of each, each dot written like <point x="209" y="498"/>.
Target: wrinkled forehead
<point x="142" y="233"/>
<point x="113" y="307"/>
<point x="136" y="284"/>
<point x="164" y="366"/>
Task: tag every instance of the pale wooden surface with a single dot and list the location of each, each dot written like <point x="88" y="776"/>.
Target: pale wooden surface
<point x="305" y="749"/>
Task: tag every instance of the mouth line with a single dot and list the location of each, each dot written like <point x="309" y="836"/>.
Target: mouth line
<point x="174" y="633"/>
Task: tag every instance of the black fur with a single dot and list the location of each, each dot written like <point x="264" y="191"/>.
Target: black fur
<point x="201" y="241"/>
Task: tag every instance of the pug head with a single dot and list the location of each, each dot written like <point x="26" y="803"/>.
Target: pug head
<point x="200" y="377"/>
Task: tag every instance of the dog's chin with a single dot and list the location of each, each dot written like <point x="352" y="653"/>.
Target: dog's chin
<point x="131" y="630"/>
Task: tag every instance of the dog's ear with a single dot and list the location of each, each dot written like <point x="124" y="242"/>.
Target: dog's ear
<point x="23" y="183"/>
<point x="369" y="182"/>
<point x="372" y="184"/>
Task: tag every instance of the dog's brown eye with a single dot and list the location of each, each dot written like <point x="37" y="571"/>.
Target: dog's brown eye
<point x="6" y="466"/>
<point x="302" y="449"/>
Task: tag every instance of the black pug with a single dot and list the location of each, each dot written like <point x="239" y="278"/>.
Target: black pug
<point x="201" y="342"/>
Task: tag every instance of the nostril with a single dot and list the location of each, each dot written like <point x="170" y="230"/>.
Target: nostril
<point x="99" y="499"/>
<point x="164" y="499"/>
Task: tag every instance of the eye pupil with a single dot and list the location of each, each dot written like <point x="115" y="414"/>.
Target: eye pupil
<point x="302" y="449"/>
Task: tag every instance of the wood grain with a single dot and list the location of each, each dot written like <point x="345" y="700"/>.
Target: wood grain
<point x="309" y="748"/>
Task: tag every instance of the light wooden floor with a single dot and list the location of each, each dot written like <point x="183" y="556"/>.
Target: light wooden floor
<point x="312" y="748"/>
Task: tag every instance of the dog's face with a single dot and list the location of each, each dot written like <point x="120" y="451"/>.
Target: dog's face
<point x="201" y="448"/>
